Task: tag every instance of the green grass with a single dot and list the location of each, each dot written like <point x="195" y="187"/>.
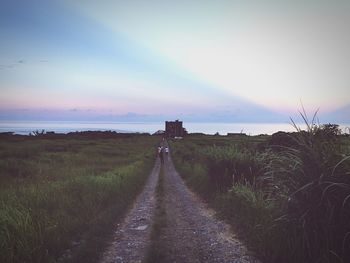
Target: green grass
<point x="288" y="195"/>
<point x="156" y="251"/>
<point x="57" y="194"/>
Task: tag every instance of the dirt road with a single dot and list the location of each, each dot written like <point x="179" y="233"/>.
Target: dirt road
<point x="132" y="237"/>
<point x="192" y="233"/>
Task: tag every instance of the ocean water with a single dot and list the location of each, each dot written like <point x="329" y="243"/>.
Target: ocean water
<point x="25" y="127"/>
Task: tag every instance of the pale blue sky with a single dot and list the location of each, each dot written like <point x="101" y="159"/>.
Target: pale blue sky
<point x="220" y="59"/>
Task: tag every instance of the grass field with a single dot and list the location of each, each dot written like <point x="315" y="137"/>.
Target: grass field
<point x="288" y="195"/>
<point x="59" y="197"/>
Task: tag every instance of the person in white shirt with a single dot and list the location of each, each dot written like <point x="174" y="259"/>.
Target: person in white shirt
<point x="160" y="154"/>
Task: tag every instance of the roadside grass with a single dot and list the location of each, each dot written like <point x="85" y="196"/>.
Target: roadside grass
<point x="60" y="200"/>
<point x="288" y="195"/>
<point x="156" y="252"/>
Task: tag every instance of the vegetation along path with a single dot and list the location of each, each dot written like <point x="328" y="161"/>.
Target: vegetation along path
<point x="190" y="233"/>
<point x="133" y="234"/>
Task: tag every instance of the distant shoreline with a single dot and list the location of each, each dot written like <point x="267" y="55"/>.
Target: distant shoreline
<point x="210" y="128"/>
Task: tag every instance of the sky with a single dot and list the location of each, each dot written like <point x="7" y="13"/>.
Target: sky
<point x="247" y="61"/>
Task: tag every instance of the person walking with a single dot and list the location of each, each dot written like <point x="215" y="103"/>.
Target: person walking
<point x="160" y="154"/>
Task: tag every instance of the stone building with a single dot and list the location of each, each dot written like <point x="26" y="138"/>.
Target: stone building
<point x="174" y="129"/>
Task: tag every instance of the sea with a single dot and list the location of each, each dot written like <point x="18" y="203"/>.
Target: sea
<point x="26" y="127"/>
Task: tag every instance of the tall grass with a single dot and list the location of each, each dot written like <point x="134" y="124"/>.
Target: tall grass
<point x="71" y="193"/>
<point x="317" y="177"/>
<point x="290" y="194"/>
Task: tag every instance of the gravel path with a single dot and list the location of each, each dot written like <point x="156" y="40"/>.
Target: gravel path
<point x="192" y="233"/>
<point x="132" y="237"/>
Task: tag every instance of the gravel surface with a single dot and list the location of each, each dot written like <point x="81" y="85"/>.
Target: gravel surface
<point x="192" y="233"/>
<point x="132" y="237"/>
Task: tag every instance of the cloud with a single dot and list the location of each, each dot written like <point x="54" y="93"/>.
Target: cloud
<point x="12" y="65"/>
<point x="272" y="54"/>
<point x="341" y="115"/>
<point x="7" y="66"/>
<point x="17" y="63"/>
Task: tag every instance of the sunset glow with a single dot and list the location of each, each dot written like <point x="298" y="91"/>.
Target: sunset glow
<point x="176" y="58"/>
